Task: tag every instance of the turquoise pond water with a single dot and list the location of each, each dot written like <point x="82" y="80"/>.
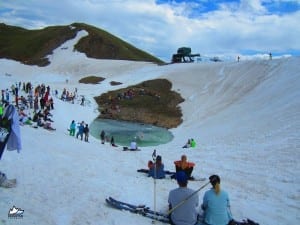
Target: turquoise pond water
<point x="125" y="132"/>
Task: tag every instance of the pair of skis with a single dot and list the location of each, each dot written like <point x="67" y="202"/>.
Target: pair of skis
<point x="158" y="216"/>
<point x="138" y="209"/>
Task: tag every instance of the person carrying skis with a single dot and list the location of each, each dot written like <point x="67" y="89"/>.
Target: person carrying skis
<point x="187" y="213"/>
<point x="215" y="204"/>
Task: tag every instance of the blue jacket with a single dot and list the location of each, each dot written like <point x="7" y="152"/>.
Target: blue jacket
<point x="160" y="173"/>
<point x="216" y="208"/>
<point x="80" y="129"/>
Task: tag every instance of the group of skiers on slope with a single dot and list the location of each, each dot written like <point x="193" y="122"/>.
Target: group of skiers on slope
<point x="215" y="206"/>
<point x="82" y="130"/>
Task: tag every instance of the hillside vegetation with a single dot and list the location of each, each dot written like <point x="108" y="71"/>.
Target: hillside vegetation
<point x="151" y="102"/>
<point x="31" y="47"/>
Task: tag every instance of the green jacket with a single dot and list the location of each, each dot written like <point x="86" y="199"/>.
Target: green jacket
<point x="193" y="143"/>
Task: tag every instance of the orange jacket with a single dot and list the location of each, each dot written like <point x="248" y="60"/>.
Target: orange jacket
<point x="184" y="165"/>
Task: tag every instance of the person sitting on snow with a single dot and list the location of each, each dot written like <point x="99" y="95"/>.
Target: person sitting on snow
<point x="184" y="165"/>
<point x="133" y="145"/>
<point x="112" y="142"/>
<point x="186" y="213"/>
<point x="216" y="205"/>
<point x="156" y="170"/>
<point x="188" y="144"/>
<point x="193" y="143"/>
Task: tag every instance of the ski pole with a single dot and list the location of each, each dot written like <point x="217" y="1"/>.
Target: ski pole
<point x="187" y="198"/>
<point x="154" y="161"/>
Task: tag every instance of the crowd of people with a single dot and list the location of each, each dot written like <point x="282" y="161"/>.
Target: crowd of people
<point x="33" y="104"/>
<point x="184" y="204"/>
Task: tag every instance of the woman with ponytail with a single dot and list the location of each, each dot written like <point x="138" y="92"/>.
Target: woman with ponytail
<point x="216" y="204"/>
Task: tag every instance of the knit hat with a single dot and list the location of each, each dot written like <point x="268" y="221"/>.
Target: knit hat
<point x="181" y="177"/>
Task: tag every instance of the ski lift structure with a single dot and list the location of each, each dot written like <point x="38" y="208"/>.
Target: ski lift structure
<point x="184" y="55"/>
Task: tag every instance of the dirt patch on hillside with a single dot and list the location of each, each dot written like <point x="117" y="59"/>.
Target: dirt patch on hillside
<point x="151" y="102"/>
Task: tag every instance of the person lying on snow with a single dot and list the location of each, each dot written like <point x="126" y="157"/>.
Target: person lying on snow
<point x="156" y="170"/>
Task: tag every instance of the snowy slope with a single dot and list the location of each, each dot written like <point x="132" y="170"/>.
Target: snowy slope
<point x="244" y="116"/>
